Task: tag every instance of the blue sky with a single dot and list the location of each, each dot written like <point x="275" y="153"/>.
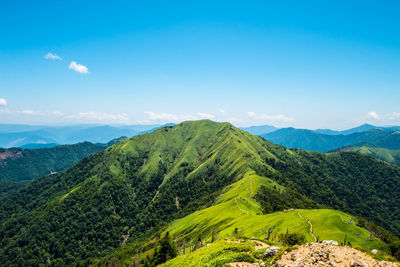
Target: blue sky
<point x="308" y="64"/>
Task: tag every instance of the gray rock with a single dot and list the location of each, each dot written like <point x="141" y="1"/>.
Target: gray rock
<point x="271" y="251"/>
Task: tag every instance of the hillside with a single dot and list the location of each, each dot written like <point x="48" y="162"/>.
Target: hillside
<point x="391" y="156"/>
<point x="18" y="164"/>
<point x="316" y="141"/>
<point x="217" y="175"/>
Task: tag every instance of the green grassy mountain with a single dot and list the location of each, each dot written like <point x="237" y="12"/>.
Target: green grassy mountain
<point x="391" y="156"/>
<point x="202" y="177"/>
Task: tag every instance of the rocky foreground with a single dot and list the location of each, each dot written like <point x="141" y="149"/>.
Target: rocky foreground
<point x="315" y="254"/>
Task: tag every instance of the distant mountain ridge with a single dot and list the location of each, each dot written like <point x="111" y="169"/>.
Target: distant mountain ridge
<point x="27" y="135"/>
<point x="313" y="140"/>
<point x="259" y="130"/>
<point x="358" y="129"/>
<point x="32" y="136"/>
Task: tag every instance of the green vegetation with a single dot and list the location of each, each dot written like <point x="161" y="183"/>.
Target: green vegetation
<point x="291" y="239"/>
<point x="164" y="252"/>
<point x="217" y="254"/>
<point x="391" y="156"/>
<point x="200" y="181"/>
<point x="19" y="164"/>
<point x="8" y="187"/>
<point x="350" y="182"/>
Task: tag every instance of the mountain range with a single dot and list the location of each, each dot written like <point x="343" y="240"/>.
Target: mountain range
<point x="313" y="140"/>
<point x="197" y="180"/>
<point x="28" y="136"/>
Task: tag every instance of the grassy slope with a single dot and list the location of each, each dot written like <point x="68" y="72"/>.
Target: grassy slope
<point x="237" y="209"/>
<point x="195" y="145"/>
<point x="217" y="254"/>
<point x="391" y="156"/>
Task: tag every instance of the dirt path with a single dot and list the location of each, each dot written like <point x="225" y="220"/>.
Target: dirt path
<point x="311" y="231"/>
<point x="259" y="244"/>
<point x="240" y="207"/>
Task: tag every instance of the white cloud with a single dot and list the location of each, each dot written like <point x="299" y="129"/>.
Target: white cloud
<point x="234" y="120"/>
<point x="52" y="56"/>
<point x="222" y="111"/>
<point x="3" y="102"/>
<point x="374" y="115"/>
<point x="394" y="116"/>
<point x="78" y="67"/>
<point x="251" y="114"/>
<point x="278" y="118"/>
<point x="29" y="112"/>
<point x="169" y="117"/>
<point x="22" y="112"/>
<point x="99" y="116"/>
<point x="57" y="113"/>
<point x="205" y="115"/>
<point x="161" y="116"/>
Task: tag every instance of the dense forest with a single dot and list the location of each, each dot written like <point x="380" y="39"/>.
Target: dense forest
<point x="17" y="164"/>
<point x="388" y="155"/>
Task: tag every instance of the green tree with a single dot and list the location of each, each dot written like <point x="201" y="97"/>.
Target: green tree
<point x="166" y="251"/>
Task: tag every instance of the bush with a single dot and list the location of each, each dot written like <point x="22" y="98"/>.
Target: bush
<point x="291" y="239"/>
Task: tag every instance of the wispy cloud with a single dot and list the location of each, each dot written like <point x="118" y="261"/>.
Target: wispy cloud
<point x="30" y="112"/>
<point x="222" y="111"/>
<point x="167" y="117"/>
<point x="373" y="115"/>
<point x="280" y="117"/>
<point x="90" y="116"/>
<point x="22" y="112"/>
<point x="3" y="102"/>
<point x="251" y="114"/>
<point x="234" y="120"/>
<point x="99" y="116"/>
<point x="205" y="115"/>
<point x="78" y="67"/>
<point x="52" y="56"/>
<point x="393" y="117"/>
<point x="276" y="118"/>
<point x="170" y="117"/>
